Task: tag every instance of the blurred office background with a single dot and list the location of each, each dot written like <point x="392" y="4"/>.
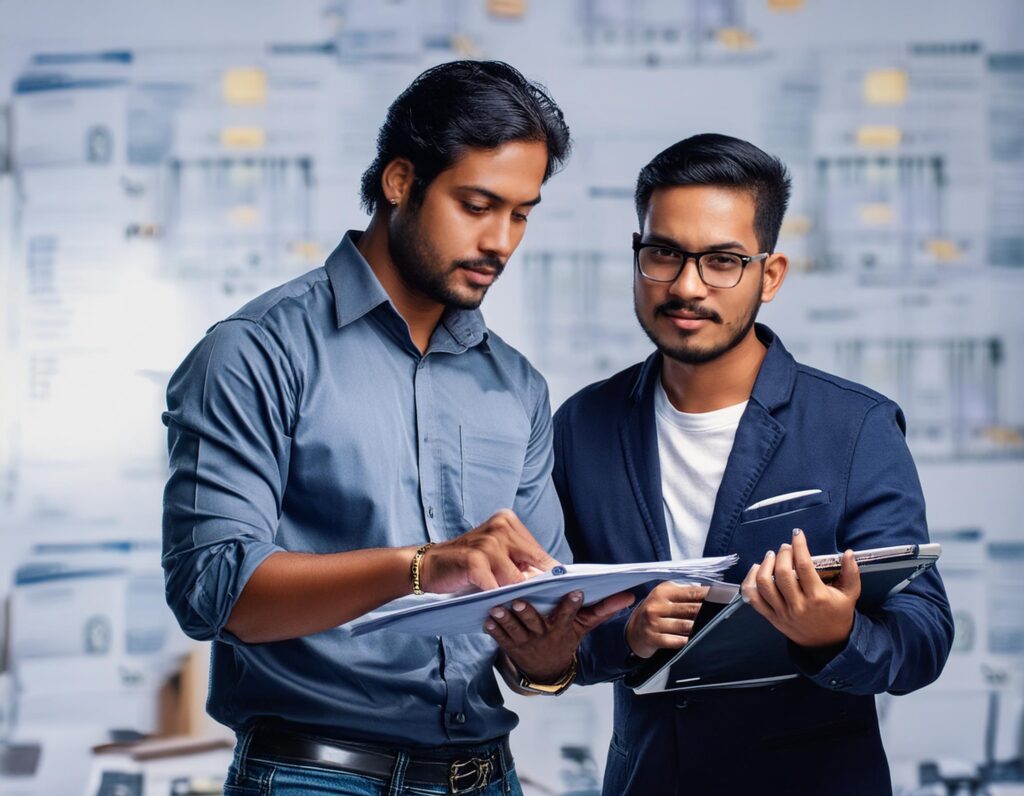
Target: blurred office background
<point x="161" y="163"/>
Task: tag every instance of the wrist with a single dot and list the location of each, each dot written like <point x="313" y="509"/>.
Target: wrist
<point x="417" y="569"/>
<point x="553" y="685"/>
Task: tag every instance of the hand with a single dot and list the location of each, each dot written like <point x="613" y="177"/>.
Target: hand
<point x="542" y="647"/>
<point x="665" y="619"/>
<point x="494" y="554"/>
<point x="787" y="590"/>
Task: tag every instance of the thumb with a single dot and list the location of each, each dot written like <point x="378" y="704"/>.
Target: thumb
<point x="849" y="576"/>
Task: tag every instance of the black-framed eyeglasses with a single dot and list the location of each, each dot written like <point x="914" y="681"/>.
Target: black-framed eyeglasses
<point x="661" y="263"/>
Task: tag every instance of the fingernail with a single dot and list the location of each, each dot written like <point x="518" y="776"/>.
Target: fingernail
<point x="518" y="605"/>
<point x="797" y="532"/>
<point x="785" y="547"/>
<point x="498" y="613"/>
<point x="489" y="625"/>
<point x="770" y="554"/>
<point x="576" y="596"/>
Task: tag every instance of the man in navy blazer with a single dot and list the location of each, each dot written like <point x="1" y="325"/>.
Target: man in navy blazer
<point x="720" y="442"/>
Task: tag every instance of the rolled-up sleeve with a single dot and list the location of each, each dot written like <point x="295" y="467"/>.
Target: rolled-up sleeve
<point x="230" y="408"/>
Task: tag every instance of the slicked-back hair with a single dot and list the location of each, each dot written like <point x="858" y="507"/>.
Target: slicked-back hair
<point x="458" y="106"/>
<point x="726" y="162"/>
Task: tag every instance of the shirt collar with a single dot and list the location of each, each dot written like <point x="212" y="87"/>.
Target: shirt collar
<point x="772" y="388"/>
<point x="357" y="291"/>
<point x="356" y="287"/>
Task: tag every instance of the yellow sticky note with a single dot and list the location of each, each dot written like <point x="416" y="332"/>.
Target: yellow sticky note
<point x="244" y="216"/>
<point x="244" y="86"/>
<point x="307" y="251"/>
<point x="735" y="38"/>
<point x="944" y="250"/>
<point x="465" y="46"/>
<point x="876" y="214"/>
<point x="886" y="87"/>
<point x="243" y="138"/>
<point x="796" y="226"/>
<point x="879" y="136"/>
<point x="507" y="9"/>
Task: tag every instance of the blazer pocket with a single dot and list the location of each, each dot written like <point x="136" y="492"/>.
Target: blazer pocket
<point x="784" y="507"/>
<point x="492" y="467"/>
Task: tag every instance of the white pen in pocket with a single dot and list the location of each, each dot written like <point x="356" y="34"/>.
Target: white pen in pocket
<point x="780" y="498"/>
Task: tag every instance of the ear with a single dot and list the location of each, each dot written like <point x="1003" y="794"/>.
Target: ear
<point x="396" y="180"/>
<point x="775" y="269"/>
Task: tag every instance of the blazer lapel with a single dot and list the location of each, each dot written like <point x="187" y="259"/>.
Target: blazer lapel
<point x="757" y="437"/>
<point x="640" y="449"/>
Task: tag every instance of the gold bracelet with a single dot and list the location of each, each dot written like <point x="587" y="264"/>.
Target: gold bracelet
<point x="414" y="567"/>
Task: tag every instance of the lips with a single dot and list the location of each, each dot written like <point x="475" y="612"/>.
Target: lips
<point x="481" y="277"/>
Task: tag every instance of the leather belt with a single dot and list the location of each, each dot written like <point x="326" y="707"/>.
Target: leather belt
<point x="460" y="772"/>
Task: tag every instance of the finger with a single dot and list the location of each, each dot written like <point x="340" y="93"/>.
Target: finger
<point x="510" y="623"/>
<point x="563" y="614"/>
<point x="497" y="632"/>
<point x="529" y="616"/>
<point x="785" y="578"/>
<point x="504" y="569"/>
<point x="750" y="593"/>
<point x="849" y="576"/>
<point x="478" y="571"/>
<point x="666" y="641"/>
<point x="765" y="581"/>
<point x="674" y="627"/>
<point x="680" y="610"/>
<point x="600" y="612"/>
<point x="686" y="593"/>
<point x="810" y="580"/>
<point x="524" y="548"/>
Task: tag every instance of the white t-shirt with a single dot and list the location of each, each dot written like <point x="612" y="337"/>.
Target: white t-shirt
<point x="693" y="450"/>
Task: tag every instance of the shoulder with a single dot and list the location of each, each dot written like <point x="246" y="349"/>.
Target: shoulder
<point x="528" y="382"/>
<point x="842" y="401"/>
<point x="602" y="401"/>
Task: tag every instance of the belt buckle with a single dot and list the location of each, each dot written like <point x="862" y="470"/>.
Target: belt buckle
<point x="475" y="771"/>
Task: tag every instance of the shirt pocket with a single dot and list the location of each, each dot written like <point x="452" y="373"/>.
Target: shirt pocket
<point x="492" y="467"/>
<point x="785" y="507"/>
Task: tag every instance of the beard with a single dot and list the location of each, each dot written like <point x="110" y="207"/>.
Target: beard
<point x="681" y="348"/>
<point x="422" y="268"/>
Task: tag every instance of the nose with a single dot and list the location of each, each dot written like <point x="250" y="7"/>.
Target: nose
<point x="499" y="238"/>
<point x="689" y="284"/>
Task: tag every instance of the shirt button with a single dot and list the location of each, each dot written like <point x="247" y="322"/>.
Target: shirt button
<point x="682" y="703"/>
<point x="834" y="683"/>
<point x="459" y="718"/>
<point x="430" y="512"/>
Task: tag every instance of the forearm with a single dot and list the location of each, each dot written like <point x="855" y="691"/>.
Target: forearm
<point x="299" y="594"/>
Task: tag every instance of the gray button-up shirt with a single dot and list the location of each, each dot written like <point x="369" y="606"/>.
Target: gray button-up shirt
<point x="309" y="421"/>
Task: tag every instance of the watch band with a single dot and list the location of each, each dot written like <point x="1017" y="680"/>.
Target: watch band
<point x="552" y="689"/>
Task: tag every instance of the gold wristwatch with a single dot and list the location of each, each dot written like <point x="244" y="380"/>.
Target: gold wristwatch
<point x="552" y="689"/>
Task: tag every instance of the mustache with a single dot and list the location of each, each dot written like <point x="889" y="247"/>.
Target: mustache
<point x="694" y="308"/>
<point x="492" y="263"/>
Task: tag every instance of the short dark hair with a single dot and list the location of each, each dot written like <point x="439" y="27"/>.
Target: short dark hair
<point x="463" y="105"/>
<point x="724" y="161"/>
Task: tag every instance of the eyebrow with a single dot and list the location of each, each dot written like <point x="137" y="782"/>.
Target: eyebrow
<point x="654" y="237"/>
<point x="497" y="198"/>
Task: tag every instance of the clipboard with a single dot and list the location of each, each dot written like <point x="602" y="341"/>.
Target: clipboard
<point x="733" y="646"/>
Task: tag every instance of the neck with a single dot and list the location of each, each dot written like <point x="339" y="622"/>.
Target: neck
<point x="421" y="314"/>
<point x="725" y="381"/>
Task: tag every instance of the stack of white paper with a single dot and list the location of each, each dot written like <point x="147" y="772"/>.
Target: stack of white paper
<point x="445" y="614"/>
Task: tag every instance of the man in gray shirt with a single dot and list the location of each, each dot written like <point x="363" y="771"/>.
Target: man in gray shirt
<point x="358" y="434"/>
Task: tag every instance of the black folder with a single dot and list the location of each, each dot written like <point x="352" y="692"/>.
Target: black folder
<point x="733" y="646"/>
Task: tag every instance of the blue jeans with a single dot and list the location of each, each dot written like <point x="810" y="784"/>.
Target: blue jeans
<point x="249" y="776"/>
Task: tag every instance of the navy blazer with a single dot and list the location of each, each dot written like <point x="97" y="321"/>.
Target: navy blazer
<point x="802" y="429"/>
